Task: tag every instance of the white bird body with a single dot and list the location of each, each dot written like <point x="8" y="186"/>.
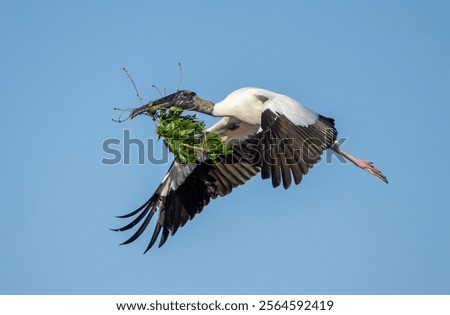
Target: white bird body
<point x="241" y="104"/>
<point x="247" y="104"/>
<point x="269" y="133"/>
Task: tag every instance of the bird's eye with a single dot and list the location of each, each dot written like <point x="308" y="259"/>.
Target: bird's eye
<point x="188" y="94"/>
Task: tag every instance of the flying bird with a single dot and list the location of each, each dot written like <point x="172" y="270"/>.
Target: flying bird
<point x="269" y="133"/>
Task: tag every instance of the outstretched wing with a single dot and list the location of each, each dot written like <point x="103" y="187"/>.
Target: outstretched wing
<point x="291" y="140"/>
<point x="186" y="189"/>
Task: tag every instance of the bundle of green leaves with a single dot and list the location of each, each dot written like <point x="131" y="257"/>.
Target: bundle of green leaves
<point x="186" y="137"/>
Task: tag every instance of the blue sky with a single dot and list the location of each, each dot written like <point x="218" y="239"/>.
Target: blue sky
<point x="380" y="68"/>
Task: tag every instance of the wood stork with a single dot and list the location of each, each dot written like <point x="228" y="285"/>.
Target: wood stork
<point x="269" y="133"/>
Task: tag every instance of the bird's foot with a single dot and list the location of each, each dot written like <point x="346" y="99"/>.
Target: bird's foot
<point x="365" y="165"/>
<point x="370" y="168"/>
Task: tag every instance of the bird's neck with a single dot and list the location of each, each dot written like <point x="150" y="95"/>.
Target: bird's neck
<point x="203" y="106"/>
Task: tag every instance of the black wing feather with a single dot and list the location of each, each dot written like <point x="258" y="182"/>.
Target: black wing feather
<point x="308" y="144"/>
<point x="207" y="181"/>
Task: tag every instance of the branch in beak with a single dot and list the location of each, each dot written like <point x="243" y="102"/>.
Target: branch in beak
<point x="164" y="102"/>
<point x="181" y="98"/>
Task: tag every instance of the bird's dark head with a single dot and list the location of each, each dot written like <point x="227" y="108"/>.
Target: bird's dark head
<point x="184" y="99"/>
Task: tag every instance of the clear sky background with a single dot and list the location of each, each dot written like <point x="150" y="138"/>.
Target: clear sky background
<point x="380" y="68"/>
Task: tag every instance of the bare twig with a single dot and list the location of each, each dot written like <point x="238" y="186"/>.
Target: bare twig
<point x="134" y="85"/>
<point x="181" y="76"/>
<point x="157" y="89"/>
<point x="133" y="112"/>
<point x="120" y="120"/>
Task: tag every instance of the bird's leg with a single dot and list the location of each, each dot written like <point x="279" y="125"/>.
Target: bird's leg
<point x="365" y="165"/>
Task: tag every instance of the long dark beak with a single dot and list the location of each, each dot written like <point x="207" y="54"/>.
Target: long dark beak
<point x="164" y="102"/>
<point x="140" y="110"/>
